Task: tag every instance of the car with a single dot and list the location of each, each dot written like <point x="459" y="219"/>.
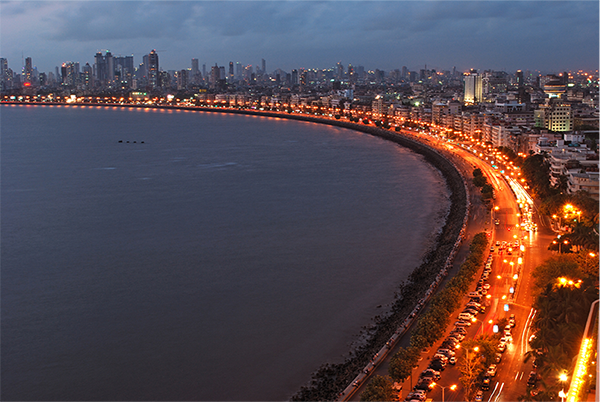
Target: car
<point x="487" y="286"/>
<point x="460" y="330"/>
<point x="473" y="304"/>
<point x="479" y="396"/>
<point x="463" y="323"/>
<point x="457" y="335"/>
<point x="485" y="384"/>
<point x="455" y="338"/>
<point x="425" y="384"/>
<point x="471" y="310"/>
<point x="532" y="380"/>
<point x="501" y="347"/>
<point x="452" y="360"/>
<point x="465" y="316"/>
<point x="504" y="340"/>
<point x="497" y="221"/>
<point x="497" y="243"/>
<point x="431" y="373"/>
<point x="491" y="371"/>
<point x="446" y="352"/>
<point x="511" y="320"/>
<point x="437" y="365"/>
<point x="492" y="249"/>
<point x="474" y="294"/>
<point x="498" y="357"/>
<point x="415" y="396"/>
<point x="441" y="357"/>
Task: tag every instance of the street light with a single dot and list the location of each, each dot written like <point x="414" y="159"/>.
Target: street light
<point x="563" y="378"/>
<point x="452" y="388"/>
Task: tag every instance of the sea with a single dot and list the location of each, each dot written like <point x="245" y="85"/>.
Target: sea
<point x="151" y="254"/>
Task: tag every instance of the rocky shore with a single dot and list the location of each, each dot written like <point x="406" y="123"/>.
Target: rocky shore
<point x="331" y="379"/>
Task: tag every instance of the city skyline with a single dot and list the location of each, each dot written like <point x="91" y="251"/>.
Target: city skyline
<point x="538" y="35"/>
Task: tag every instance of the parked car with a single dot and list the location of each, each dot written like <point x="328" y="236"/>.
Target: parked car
<point x="485" y="385"/>
<point x="511" y="320"/>
<point x="479" y="396"/>
<point x="446" y="352"/>
<point x="437" y="365"/>
<point x="452" y="360"/>
<point x="465" y="316"/>
<point x="431" y="373"/>
<point x="491" y="371"/>
<point x="532" y="379"/>
<point x="498" y="357"/>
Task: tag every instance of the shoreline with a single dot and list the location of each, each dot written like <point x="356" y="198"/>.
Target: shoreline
<point x="330" y="380"/>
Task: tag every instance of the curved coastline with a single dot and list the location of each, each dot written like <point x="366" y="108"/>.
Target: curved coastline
<point x="329" y="381"/>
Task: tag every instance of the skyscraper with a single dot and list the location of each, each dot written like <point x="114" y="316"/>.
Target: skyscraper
<point x="473" y="88"/>
<point x="153" y="72"/>
<point x="195" y="69"/>
<point x="28" y="71"/>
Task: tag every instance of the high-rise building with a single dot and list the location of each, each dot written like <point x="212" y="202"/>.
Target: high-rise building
<point x="339" y="71"/>
<point x="263" y="66"/>
<point x="215" y="75"/>
<point x="70" y="73"/>
<point x="105" y="68"/>
<point x="238" y="71"/>
<point x="153" y="71"/>
<point x="182" y="79"/>
<point x="473" y="88"/>
<point x="195" y="69"/>
<point x="87" y="76"/>
<point x="28" y="71"/>
<point x="519" y="79"/>
<point x="230" y="77"/>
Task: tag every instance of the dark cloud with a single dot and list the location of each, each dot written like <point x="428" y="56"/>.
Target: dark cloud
<point x="377" y="34"/>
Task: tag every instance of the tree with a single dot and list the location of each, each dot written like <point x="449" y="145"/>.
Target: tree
<point x="487" y="191"/>
<point x="479" y="181"/>
<point x="470" y="367"/>
<point x="552" y="269"/>
<point x="403" y="362"/>
<point x="380" y="388"/>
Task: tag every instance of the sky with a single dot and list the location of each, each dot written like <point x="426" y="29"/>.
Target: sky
<point x="551" y="36"/>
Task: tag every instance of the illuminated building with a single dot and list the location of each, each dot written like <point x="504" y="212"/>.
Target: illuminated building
<point x="473" y="88"/>
<point x="152" y="69"/>
<point x="554" y="115"/>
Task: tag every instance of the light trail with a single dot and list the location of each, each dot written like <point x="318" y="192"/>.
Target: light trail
<point x="493" y="392"/>
<point x="526" y="331"/>
<point x="499" y="392"/>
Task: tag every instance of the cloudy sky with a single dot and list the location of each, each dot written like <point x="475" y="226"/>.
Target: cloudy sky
<point x="505" y="35"/>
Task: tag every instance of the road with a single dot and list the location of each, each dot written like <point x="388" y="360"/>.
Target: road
<point x="510" y="280"/>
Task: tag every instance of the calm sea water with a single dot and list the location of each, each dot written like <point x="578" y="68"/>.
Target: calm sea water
<point x="225" y="258"/>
